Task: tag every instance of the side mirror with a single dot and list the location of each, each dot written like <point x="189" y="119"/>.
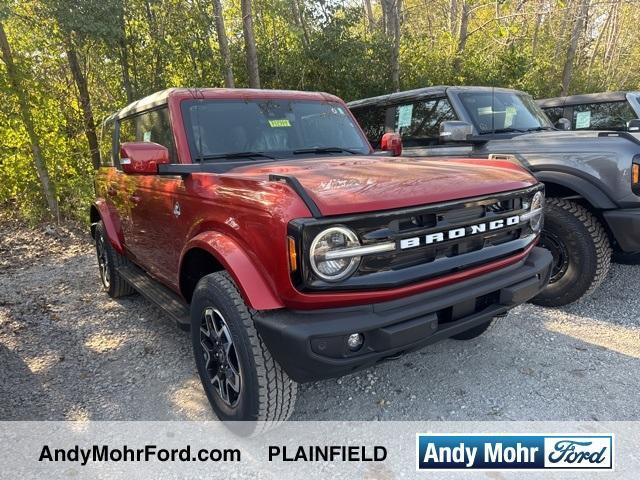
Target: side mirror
<point x="392" y="143"/>
<point x="142" y="158"/>
<point x="455" y="131"/>
<point x="563" y="124"/>
<point x="633" y="125"/>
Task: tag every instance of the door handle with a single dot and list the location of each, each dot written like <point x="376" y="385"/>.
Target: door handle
<point x="134" y="198"/>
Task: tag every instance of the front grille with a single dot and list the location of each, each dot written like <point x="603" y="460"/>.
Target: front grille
<point x="427" y="260"/>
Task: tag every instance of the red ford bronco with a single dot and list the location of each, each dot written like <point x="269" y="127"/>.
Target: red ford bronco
<point x="263" y="222"/>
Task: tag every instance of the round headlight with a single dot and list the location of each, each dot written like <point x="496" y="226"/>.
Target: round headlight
<point x="536" y="211"/>
<point x="331" y="239"/>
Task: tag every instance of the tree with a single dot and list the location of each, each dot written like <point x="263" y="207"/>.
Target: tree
<point x="223" y="44"/>
<point x="250" y="44"/>
<point x="576" y="34"/>
<point x="20" y="92"/>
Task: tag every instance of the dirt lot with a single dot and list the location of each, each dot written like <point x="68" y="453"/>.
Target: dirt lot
<point x="67" y="351"/>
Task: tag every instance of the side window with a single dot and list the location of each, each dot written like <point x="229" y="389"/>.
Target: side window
<point x="602" y="116"/>
<point x="106" y="144"/>
<point x="554" y="113"/>
<point x="151" y="126"/>
<point x="372" y="121"/>
<point x="419" y="123"/>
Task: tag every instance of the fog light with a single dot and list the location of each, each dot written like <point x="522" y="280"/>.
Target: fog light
<point x="355" y="341"/>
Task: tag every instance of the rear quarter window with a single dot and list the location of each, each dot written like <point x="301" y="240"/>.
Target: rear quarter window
<point x="602" y="116"/>
<point x="106" y="144"/>
<point x="554" y="113"/>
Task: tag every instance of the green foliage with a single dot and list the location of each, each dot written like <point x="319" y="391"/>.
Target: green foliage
<point x="329" y="46"/>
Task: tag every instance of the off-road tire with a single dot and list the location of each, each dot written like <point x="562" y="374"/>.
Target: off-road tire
<point x="115" y="286"/>
<point x="476" y="331"/>
<point x="587" y="252"/>
<point x="267" y="394"/>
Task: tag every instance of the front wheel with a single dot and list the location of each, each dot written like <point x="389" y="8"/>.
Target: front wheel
<point x="581" y="252"/>
<point x="240" y="377"/>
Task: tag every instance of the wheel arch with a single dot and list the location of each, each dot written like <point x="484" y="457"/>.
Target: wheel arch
<point x="100" y="211"/>
<point x="211" y="252"/>
<point x="561" y="184"/>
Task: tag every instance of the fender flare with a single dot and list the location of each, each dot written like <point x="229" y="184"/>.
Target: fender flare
<point x="111" y="225"/>
<point x="254" y="288"/>
<point x="591" y="193"/>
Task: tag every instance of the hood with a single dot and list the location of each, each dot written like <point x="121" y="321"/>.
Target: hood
<point x="346" y="185"/>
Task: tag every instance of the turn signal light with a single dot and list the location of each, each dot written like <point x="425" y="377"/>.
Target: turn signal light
<point x="293" y="255"/>
<point x="635" y="174"/>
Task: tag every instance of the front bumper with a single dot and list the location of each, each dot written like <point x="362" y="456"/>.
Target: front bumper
<point x="625" y="227"/>
<point x="312" y="345"/>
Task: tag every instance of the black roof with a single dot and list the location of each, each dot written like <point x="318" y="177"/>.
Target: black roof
<point x="419" y="93"/>
<point x="584" y="98"/>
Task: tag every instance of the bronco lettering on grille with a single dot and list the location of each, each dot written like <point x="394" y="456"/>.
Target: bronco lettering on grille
<point x="454" y="233"/>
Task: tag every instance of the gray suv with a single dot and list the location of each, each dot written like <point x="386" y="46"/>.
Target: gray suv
<point x="592" y="178"/>
<point x="619" y="111"/>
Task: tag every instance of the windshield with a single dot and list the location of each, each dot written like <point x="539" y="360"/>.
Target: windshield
<point x="217" y="128"/>
<point x="503" y="112"/>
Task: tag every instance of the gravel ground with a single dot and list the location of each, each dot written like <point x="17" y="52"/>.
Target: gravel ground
<point x="68" y="351"/>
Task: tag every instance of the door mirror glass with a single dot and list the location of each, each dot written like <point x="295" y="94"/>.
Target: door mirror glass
<point x="455" y="131"/>
<point x="142" y="158"/>
<point x="392" y="143"/>
<point x="563" y="124"/>
<point x="633" y="125"/>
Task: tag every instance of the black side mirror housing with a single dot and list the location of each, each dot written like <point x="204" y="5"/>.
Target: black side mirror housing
<point x="633" y="125"/>
<point x="563" y="124"/>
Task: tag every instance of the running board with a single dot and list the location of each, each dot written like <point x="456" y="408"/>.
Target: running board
<point x="158" y="294"/>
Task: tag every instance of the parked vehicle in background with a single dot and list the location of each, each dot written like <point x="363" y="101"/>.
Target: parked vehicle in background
<point x="596" y="111"/>
<point x="261" y="221"/>
<point x="592" y="178"/>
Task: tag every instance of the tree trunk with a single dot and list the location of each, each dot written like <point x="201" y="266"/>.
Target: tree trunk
<point x="48" y="188"/>
<point x="576" y="33"/>
<point x="124" y="58"/>
<point x="85" y="102"/>
<point x="250" y="44"/>
<point x="371" y="21"/>
<point x="462" y="37"/>
<point x="156" y="37"/>
<point x="453" y="17"/>
<point x="223" y="44"/>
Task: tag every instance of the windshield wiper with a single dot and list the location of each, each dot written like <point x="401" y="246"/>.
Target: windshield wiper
<point x="235" y="155"/>
<point x="539" y="129"/>
<point x="325" y="150"/>
<point x="507" y="130"/>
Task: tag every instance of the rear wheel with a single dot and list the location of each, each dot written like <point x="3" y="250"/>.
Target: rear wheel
<point x="108" y="262"/>
<point x="240" y="377"/>
<point x="581" y="252"/>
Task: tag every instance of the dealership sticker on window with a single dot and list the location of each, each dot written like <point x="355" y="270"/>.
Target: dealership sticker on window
<point x="279" y="123"/>
<point x="510" y="115"/>
<point x="146" y="136"/>
<point x="583" y="119"/>
<point x="405" y="113"/>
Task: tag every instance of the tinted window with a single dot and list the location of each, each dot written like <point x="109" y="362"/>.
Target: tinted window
<point x="276" y="126"/>
<point x="372" y="121"/>
<point x="602" y="116"/>
<point x="503" y="111"/>
<point x="554" y="113"/>
<point x="419" y="123"/>
<point x="106" y="144"/>
<point x="152" y="126"/>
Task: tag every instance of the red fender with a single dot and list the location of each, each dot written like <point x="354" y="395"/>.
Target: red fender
<point x="111" y="224"/>
<point x="255" y="290"/>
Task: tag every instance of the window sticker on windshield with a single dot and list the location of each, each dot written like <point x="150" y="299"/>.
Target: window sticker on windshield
<point x="583" y="119"/>
<point x="509" y="115"/>
<point x="405" y="113"/>
<point x="284" y="122"/>
<point x="146" y="136"/>
<point x="485" y="110"/>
